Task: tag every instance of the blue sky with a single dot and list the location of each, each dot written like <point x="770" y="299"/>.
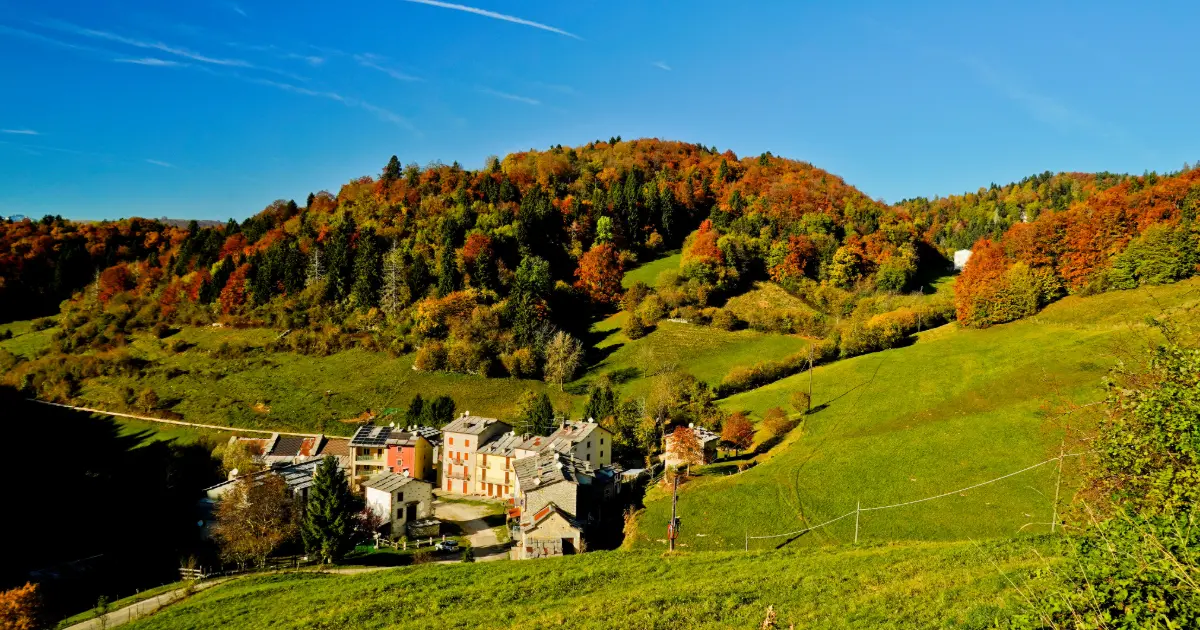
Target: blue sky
<point x="214" y="108"/>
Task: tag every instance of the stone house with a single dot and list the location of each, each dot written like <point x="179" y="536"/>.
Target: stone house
<point x="709" y="442"/>
<point x="399" y="500"/>
<point x="559" y="497"/>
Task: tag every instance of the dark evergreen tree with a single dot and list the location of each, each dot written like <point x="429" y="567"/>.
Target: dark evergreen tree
<point x="339" y="260"/>
<point x="438" y="412"/>
<point x="308" y="204"/>
<point x="391" y="172"/>
<point x="415" y="410"/>
<point x="367" y="270"/>
<point x="447" y="270"/>
<point x="602" y="402"/>
<point x="537" y="418"/>
<point x="329" y="513"/>
<point x="531" y="286"/>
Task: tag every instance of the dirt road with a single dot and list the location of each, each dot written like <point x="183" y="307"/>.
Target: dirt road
<point x="470" y="517"/>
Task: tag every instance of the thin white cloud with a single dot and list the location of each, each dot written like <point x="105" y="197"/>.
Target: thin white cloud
<point x="374" y="62"/>
<point x="20" y="132"/>
<point x="167" y="48"/>
<point x="494" y="16"/>
<point x="150" y="61"/>
<point x="512" y="97"/>
<point x="348" y="101"/>
<point x="275" y="51"/>
<point x="662" y="65"/>
<point x="160" y="163"/>
<point x="238" y="10"/>
<point x="16" y="32"/>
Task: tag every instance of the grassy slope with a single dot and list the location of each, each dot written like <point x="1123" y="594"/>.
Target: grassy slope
<point x="648" y="272"/>
<point x="901" y="586"/>
<point x="293" y="386"/>
<point x="958" y="407"/>
<point x="705" y="352"/>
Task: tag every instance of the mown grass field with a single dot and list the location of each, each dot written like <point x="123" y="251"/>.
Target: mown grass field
<point x="931" y="585"/>
<point x="703" y="351"/>
<point x="648" y="272"/>
<point x="957" y="408"/>
<point x="288" y="391"/>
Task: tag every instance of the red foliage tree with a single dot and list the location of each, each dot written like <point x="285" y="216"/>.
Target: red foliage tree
<point x="477" y="245"/>
<point x="114" y="280"/>
<point x="737" y="432"/>
<point x="233" y="296"/>
<point x="801" y="255"/>
<point x="599" y="273"/>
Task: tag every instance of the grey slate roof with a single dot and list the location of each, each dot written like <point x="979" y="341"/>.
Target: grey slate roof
<point x="287" y="445"/>
<point x="472" y="425"/>
<point x="550" y="467"/>
<point x="502" y="446"/>
<point x="297" y="476"/>
<point x="389" y="481"/>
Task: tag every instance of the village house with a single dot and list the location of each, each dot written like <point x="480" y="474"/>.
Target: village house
<point x="298" y="477"/>
<point x="377" y="449"/>
<point x="708" y="444"/>
<point x="281" y="450"/>
<point x="584" y="440"/>
<point x="403" y="503"/>
<point x="495" y="461"/>
<point x="461" y="440"/>
<point x="559" y="497"/>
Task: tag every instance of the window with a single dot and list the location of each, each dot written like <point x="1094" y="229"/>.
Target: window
<point x="400" y="513"/>
<point x="601" y="454"/>
<point x="589" y="457"/>
<point x="601" y="441"/>
<point x="399" y="497"/>
<point x="451" y="441"/>
<point x="589" y="444"/>
<point x="466" y="443"/>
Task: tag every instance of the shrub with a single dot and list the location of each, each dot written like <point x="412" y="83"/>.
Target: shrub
<point x="742" y="378"/>
<point x="6" y="335"/>
<point x="634" y="295"/>
<point x="777" y="423"/>
<point x="801" y="401"/>
<point x="651" y="310"/>
<point x="520" y="363"/>
<point x="634" y="328"/>
<point x="431" y="357"/>
<point x="725" y="319"/>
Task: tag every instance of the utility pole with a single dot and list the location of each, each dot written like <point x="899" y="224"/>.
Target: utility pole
<point x="673" y="528"/>
<point x="810" y="371"/>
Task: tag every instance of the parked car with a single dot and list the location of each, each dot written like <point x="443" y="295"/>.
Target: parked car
<point x="449" y="545"/>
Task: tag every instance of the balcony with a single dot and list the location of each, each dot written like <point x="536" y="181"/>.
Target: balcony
<point x="460" y="475"/>
<point x="367" y="459"/>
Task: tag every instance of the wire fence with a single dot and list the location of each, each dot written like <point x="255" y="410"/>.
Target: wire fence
<point x="859" y="509"/>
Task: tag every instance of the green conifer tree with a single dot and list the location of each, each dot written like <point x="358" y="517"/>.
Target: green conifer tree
<point x="329" y="513"/>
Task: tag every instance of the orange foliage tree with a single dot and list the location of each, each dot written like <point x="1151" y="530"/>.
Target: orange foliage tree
<point x="599" y="273"/>
<point x="737" y="432"/>
<point x="20" y="608"/>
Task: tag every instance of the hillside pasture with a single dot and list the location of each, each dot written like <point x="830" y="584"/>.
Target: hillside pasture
<point x="897" y="586"/>
<point x="957" y="408"/>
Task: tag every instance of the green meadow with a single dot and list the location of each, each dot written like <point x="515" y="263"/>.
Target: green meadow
<point x="926" y="585"/>
<point x="703" y="351"/>
<point x="648" y="272"/>
<point x="956" y="408"/>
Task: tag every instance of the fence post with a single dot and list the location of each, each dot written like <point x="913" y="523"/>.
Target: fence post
<point x="1058" y="486"/>
<point x="747" y="540"/>
<point x="857" y="511"/>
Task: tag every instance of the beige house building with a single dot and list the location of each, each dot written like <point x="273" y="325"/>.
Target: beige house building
<point x="461" y="440"/>
<point x="584" y="440"/>
<point x="399" y="500"/>
<point x="494" y="462"/>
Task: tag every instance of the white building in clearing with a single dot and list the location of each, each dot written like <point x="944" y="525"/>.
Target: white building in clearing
<point x="960" y="259"/>
<point x="399" y="500"/>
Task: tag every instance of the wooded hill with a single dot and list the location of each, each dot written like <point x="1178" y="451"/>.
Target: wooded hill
<point x="479" y="269"/>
